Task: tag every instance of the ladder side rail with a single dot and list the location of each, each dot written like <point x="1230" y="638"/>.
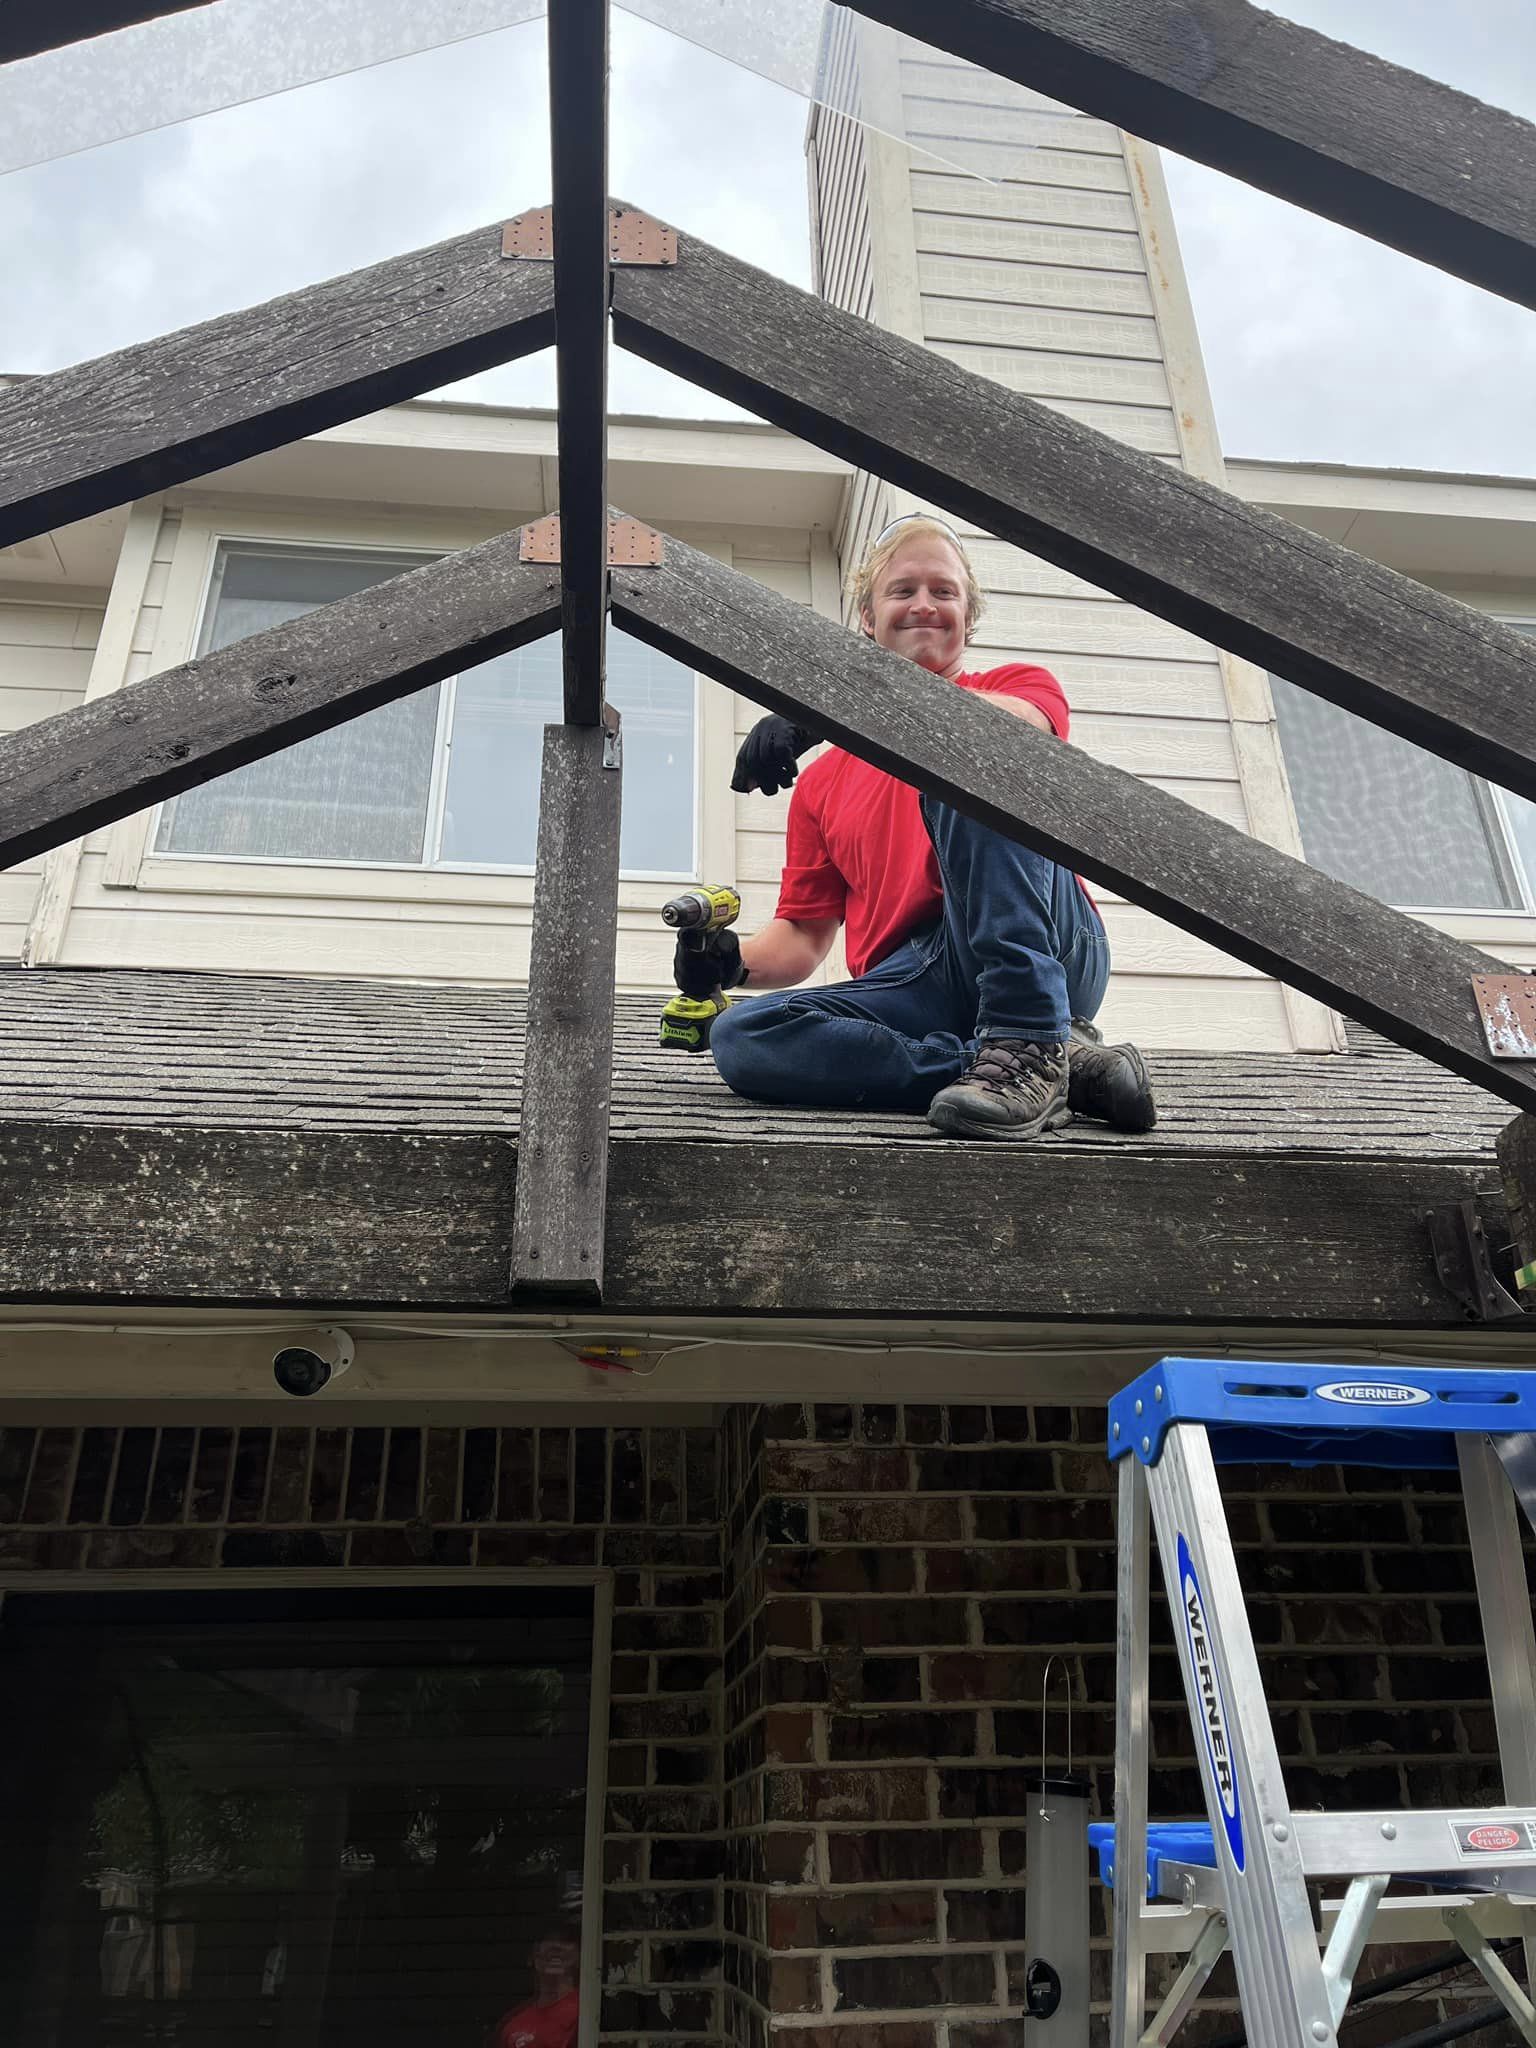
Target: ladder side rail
<point x="1132" y="1585"/>
<point x="1503" y="1597"/>
<point x="1274" y="1943"/>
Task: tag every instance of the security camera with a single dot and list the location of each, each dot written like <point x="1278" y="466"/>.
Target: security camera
<point x="304" y="1369"/>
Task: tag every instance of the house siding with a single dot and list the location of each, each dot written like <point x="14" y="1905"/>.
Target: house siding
<point x="45" y="663"/>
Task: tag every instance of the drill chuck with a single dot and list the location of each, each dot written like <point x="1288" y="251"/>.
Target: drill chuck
<point x="702" y="910"/>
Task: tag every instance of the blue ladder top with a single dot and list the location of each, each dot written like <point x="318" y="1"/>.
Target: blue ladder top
<point x="1397" y="1416"/>
<point x="1168" y="1841"/>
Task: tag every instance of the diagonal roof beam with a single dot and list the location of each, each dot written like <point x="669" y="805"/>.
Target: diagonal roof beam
<point x="107" y="759"/>
<point x="28" y="27"/>
<point x="1420" y="664"/>
<point x="1257" y="903"/>
<point x="578" y="121"/>
<point x="156" y="414"/>
<point x="1397" y="156"/>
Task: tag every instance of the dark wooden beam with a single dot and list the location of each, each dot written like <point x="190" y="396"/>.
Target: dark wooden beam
<point x="1402" y="158"/>
<point x="151" y="416"/>
<point x="578" y="119"/>
<point x="68" y="774"/>
<point x="562" y="1182"/>
<point x="1423" y="665"/>
<point x="1387" y="970"/>
<point x="27" y="27"/>
<point x="423" y="1220"/>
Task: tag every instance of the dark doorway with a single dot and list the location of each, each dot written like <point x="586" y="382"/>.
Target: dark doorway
<point x="349" y="1819"/>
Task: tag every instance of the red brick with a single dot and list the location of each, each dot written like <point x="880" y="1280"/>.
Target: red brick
<point x="792" y="1468"/>
<point x="902" y="1520"/>
<point x="841" y="1571"/>
<point x="1037" y="1568"/>
<point x="894" y="1624"/>
<point x="896" y="1855"/>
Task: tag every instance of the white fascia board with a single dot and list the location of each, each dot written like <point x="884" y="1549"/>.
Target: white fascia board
<point x="1421" y="493"/>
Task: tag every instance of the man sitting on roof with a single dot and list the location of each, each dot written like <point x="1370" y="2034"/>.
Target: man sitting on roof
<point x="975" y="961"/>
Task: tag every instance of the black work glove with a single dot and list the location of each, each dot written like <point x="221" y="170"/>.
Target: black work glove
<point x="769" y="756"/>
<point x="700" y="970"/>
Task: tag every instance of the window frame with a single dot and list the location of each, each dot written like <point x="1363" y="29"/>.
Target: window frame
<point x="347" y="1578"/>
<point x="220" y="542"/>
<point x="171" y="609"/>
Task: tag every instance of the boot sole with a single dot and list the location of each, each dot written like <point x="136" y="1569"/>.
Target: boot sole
<point x="953" y="1123"/>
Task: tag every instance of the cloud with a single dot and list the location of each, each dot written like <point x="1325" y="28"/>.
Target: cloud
<point x="143" y="236"/>
<point x="1322" y="345"/>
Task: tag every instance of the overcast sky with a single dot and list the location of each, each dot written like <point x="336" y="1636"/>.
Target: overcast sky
<point x="1320" y="345"/>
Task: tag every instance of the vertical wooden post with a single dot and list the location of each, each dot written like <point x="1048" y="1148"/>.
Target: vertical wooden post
<point x="562" y="1154"/>
<point x="578" y="124"/>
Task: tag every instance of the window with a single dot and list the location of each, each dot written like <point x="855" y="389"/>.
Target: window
<point x="447" y="778"/>
<point x="1388" y="817"/>
<point x="352" y="1817"/>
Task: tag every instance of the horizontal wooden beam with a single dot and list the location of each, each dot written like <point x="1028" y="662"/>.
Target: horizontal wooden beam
<point x="153" y="415"/>
<point x="118" y="754"/>
<point x="123" y="1213"/>
<point x="28" y="27"/>
<point x="557" y="1237"/>
<point x="1257" y="903"/>
<point x="1400" y="157"/>
<point x="1436" y="671"/>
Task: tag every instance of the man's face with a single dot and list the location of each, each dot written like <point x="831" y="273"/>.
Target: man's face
<point x="555" y="1957"/>
<point x="918" y="606"/>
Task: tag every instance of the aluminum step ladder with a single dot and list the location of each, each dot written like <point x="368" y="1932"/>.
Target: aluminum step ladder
<point x="1251" y="1878"/>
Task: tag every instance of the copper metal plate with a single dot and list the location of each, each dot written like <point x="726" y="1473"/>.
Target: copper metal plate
<point x="1507" y="1005"/>
<point x="634" y="237"/>
<point x="531" y="236"/>
<point x="633" y="546"/>
<point x="540" y="542"/>
<point x="630" y="544"/>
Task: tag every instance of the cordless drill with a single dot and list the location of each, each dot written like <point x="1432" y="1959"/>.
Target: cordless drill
<point x="697" y="914"/>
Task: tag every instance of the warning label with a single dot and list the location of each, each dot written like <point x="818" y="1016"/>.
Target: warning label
<point x="1496" y="1837"/>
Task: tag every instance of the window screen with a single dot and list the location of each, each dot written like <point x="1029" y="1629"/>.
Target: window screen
<point x="350" y="1820"/>
<point x="1388" y="817"/>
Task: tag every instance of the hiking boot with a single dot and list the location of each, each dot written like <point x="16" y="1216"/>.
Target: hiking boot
<point x="1013" y="1088"/>
<point x="1109" y="1081"/>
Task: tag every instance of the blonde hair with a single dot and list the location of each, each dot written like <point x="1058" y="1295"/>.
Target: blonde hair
<point x="896" y="537"/>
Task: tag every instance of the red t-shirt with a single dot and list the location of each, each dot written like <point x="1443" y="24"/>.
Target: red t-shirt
<point x="856" y="847"/>
<point x="541" y="2026"/>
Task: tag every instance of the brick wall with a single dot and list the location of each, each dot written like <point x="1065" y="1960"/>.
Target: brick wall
<point x="643" y="1502"/>
<point x="896" y="1582"/>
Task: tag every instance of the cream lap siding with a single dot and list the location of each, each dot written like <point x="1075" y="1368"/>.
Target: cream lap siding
<point x="1040" y="280"/>
<point x="45" y="660"/>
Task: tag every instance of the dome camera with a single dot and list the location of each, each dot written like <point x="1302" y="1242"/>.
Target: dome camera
<point x="306" y="1368"/>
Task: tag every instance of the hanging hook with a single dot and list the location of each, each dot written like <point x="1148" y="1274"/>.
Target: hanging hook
<point x="1045" y="1686"/>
